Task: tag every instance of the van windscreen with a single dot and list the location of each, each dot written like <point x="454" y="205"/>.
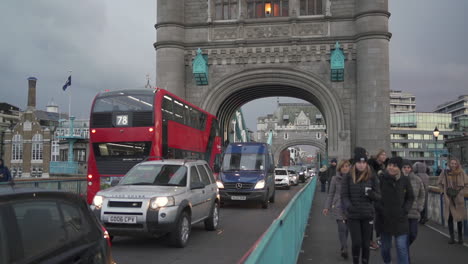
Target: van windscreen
<point x="243" y="161"/>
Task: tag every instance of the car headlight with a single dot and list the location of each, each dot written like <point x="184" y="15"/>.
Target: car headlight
<point x="260" y="184"/>
<point x="97" y="201"/>
<point x="158" y="202"/>
<point x="220" y="185"/>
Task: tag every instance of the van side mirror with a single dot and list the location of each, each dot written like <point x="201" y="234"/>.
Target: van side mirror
<point x="197" y="185"/>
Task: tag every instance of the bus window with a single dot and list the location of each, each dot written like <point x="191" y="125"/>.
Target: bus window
<point x="167" y="108"/>
<point x="179" y="115"/>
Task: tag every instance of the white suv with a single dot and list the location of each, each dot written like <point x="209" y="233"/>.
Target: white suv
<point x="282" y="178"/>
<point x="158" y="197"/>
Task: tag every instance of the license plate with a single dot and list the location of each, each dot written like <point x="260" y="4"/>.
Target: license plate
<point x="122" y="219"/>
<point x="238" y="198"/>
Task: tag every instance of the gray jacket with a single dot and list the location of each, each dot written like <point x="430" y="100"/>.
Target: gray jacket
<point x="419" y="197"/>
<point x="419" y="168"/>
<point x="333" y="202"/>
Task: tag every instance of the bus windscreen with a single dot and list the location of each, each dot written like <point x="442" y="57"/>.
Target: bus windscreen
<point x="124" y="103"/>
<point x="122" y="149"/>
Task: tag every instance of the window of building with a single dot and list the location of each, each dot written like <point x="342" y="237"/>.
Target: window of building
<point x="398" y="153"/>
<point x="265" y="8"/>
<point x="226" y="9"/>
<point x="37" y="147"/>
<point x="17" y="147"/>
<point x="80" y="155"/>
<point x="311" y="7"/>
<point x="55" y="153"/>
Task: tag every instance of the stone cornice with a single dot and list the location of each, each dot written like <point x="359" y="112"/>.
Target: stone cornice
<point x="372" y="13"/>
<point x="272" y="21"/>
<point x="373" y="35"/>
<point x="170" y="24"/>
<point x="169" y="44"/>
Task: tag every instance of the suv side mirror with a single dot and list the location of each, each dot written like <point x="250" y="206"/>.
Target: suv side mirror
<point x="197" y="185"/>
<point x="114" y="182"/>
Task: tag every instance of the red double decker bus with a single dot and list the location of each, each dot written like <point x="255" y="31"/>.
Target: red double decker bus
<point x="129" y="125"/>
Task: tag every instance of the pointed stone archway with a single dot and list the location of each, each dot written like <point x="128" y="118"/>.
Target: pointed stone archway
<point x="244" y="86"/>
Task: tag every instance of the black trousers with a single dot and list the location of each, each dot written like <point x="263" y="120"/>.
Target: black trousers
<point x="360" y="230"/>
<point x="450" y="226"/>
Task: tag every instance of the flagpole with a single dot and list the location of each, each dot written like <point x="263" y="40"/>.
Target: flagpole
<point x="69" y="98"/>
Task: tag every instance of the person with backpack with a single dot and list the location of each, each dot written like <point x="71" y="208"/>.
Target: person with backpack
<point x="419" y="195"/>
<point x="323" y="178"/>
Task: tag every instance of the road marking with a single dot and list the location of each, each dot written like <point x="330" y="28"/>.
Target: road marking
<point x="442" y="233"/>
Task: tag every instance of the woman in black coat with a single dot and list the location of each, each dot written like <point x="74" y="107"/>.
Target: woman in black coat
<point x="392" y="210"/>
<point x="359" y="191"/>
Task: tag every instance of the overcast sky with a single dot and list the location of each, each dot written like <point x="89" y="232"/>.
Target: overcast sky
<point x="108" y="44"/>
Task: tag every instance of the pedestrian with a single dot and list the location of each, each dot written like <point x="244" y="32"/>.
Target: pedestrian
<point x="331" y="172"/>
<point x="333" y="204"/>
<point x="396" y="201"/>
<point x="419" y="169"/>
<point x="377" y="163"/>
<point x="323" y="177"/>
<point x="453" y="182"/>
<point x="419" y="195"/>
<point x="5" y="175"/>
<point x="358" y="193"/>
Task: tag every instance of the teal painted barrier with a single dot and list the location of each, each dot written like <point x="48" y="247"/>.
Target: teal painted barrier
<point x="74" y="185"/>
<point x="282" y="242"/>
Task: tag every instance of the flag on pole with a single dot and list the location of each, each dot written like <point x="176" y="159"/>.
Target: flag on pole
<point x="67" y="83"/>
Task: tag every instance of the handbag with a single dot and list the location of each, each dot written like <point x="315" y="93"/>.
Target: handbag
<point x="451" y="192"/>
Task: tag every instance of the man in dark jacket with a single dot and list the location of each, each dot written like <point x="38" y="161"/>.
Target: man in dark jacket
<point x="5" y="175"/>
<point x="397" y="200"/>
<point x="330" y="173"/>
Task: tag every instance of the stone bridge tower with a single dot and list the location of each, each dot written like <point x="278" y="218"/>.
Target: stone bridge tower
<point x="259" y="48"/>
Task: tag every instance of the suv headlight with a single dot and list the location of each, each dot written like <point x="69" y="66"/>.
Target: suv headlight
<point x="220" y="185"/>
<point x="260" y="184"/>
<point x="97" y="201"/>
<point x="158" y="202"/>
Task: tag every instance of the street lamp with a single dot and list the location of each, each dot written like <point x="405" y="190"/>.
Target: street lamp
<point x="436" y="136"/>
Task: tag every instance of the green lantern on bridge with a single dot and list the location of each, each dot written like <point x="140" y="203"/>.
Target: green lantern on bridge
<point x="337" y="64"/>
<point x="200" y="68"/>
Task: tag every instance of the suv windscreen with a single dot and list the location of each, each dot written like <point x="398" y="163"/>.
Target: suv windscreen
<point x="244" y="161"/>
<point x="156" y="174"/>
<point x="280" y="172"/>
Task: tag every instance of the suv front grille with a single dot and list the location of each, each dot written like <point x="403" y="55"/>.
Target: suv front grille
<point x="245" y="186"/>
<point x="124" y="204"/>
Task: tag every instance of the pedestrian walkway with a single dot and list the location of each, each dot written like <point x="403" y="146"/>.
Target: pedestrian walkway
<point x="321" y="245"/>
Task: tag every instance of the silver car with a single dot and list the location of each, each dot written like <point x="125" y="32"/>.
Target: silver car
<point x="158" y="197"/>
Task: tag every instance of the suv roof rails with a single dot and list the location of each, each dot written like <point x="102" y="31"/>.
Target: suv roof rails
<point x="191" y="158"/>
<point x="153" y="157"/>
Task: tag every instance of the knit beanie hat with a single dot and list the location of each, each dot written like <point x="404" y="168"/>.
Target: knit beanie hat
<point x="398" y="161"/>
<point x="407" y="163"/>
<point x="333" y="160"/>
<point x="360" y="154"/>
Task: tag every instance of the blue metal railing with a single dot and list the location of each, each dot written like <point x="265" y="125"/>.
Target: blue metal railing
<point x="75" y="185"/>
<point x="282" y="242"/>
